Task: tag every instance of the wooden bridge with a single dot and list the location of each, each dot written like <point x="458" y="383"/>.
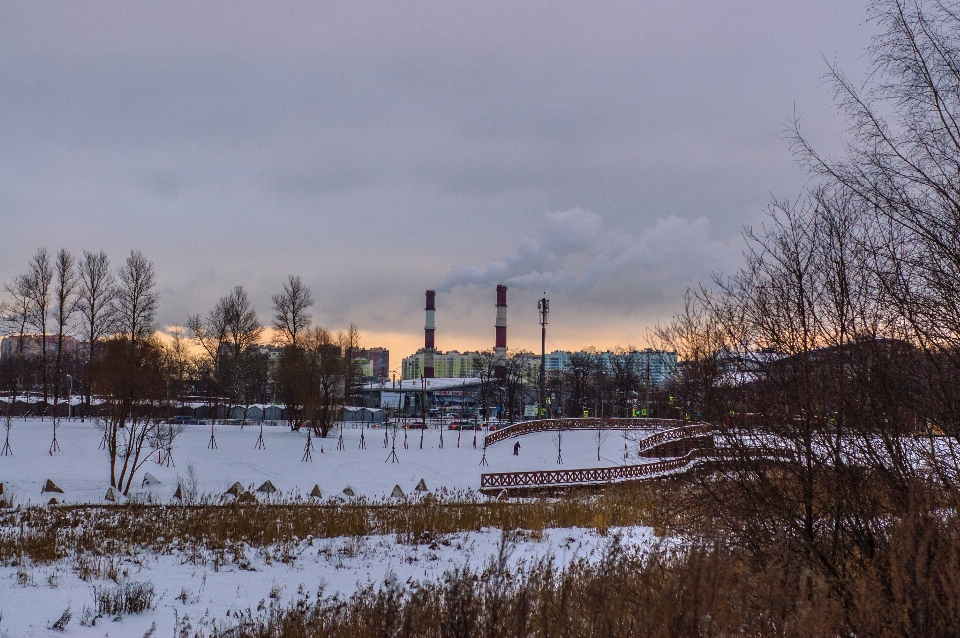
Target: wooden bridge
<point x="552" y="425"/>
<point x="695" y="440"/>
<point x="554" y="479"/>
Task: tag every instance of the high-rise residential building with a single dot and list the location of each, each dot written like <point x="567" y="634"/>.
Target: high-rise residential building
<point x="379" y="359"/>
<point x="32" y="345"/>
<point x="653" y="367"/>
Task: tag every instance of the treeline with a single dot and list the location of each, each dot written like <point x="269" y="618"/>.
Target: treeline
<point x="60" y="298"/>
<point x="63" y="313"/>
<point x="830" y="363"/>
<point x="618" y="383"/>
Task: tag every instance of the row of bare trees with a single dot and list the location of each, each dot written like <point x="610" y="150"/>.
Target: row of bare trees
<point x="217" y="357"/>
<point x="114" y="313"/>
<point x="62" y="296"/>
<point x="138" y="378"/>
<point x="605" y="384"/>
<point x="318" y="371"/>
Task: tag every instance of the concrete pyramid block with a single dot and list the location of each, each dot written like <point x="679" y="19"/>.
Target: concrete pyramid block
<point x="179" y="493"/>
<point x="50" y="486"/>
<point x="421" y="486"/>
<point x="267" y="488"/>
<point x="397" y="492"/>
<point x="149" y="479"/>
<point x="112" y="495"/>
<point x="349" y="491"/>
<point x="52" y="501"/>
<point x="315" y="492"/>
<point x="235" y="490"/>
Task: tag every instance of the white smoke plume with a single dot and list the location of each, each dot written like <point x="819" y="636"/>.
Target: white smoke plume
<point x="574" y="251"/>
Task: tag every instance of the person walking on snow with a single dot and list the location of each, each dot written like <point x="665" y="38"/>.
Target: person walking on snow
<point x="516" y="448"/>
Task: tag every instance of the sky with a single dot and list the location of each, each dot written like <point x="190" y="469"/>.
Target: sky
<point x="606" y="154"/>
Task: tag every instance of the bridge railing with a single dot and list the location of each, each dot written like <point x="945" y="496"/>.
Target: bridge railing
<point x="589" y="476"/>
<point x="548" y="425"/>
<point x="673" y="434"/>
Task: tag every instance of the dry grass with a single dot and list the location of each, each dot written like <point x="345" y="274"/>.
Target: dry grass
<point x="712" y="584"/>
<point x="700" y="591"/>
<point x="45" y="534"/>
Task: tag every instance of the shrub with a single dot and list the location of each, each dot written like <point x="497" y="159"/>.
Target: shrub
<point x="128" y="598"/>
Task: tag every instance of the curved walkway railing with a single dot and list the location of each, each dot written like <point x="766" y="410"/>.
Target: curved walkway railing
<point x="590" y="476"/>
<point x="673" y="434"/>
<point x="548" y="425"/>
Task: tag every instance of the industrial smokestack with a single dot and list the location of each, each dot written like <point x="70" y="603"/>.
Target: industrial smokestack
<point x="500" y="350"/>
<point x="428" y="330"/>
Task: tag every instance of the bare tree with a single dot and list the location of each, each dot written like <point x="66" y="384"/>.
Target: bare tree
<point x="136" y="297"/>
<point x="328" y="375"/>
<point x="797" y="362"/>
<point x="349" y="342"/>
<point x="65" y="306"/>
<point x="16" y="317"/>
<point x="96" y="302"/>
<point x="624" y="368"/>
<point x="486" y="371"/>
<point x="517" y="382"/>
<point x="290" y="306"/>
<point x="226" y="336"/>
<point x="38" y="281"/>
<point x="600" y="435"/>
<point x="577" y="380"/>
<point x="131" y="377"/>
<point x="179" y="361"/>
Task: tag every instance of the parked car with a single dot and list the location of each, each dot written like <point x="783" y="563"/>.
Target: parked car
<point x="416" y="425"/>
<point x="464" y="425"/>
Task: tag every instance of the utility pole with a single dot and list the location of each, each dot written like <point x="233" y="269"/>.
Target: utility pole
<point x="544" y="307"/>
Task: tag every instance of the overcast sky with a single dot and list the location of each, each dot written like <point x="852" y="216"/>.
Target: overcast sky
<point x="608" y="153"/>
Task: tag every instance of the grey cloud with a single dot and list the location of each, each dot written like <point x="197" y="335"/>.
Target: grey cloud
<point x="574" y="251"/>
<point x="375" y="147"/>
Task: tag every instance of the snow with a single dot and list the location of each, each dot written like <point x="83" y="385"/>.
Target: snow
<point x="33" y="597"/>
<point x="81" y="468"/>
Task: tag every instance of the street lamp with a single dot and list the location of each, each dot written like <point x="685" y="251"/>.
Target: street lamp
<point x="544" y="307"/>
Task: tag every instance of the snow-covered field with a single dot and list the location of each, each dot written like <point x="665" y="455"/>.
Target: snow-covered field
<point x="80" y="468"/>
<point x="34" y="596"/>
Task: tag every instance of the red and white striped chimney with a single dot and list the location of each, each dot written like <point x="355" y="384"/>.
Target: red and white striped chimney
<point x="500" y="350"/>
<point x="428" y="330"/>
